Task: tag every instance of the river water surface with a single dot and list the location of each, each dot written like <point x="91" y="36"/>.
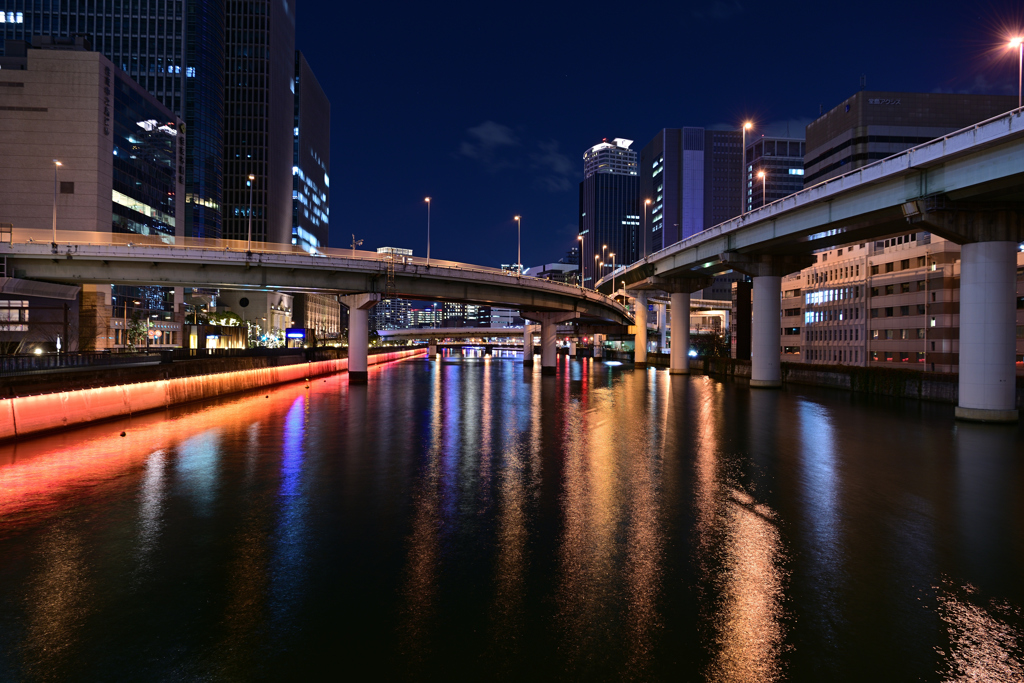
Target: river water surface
<point x="469" y="518"/>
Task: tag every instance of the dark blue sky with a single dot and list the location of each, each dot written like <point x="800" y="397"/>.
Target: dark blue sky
<point x="488" y="107"/>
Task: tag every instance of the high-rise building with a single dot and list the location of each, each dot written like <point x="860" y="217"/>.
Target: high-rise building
<point x="869" y="126"/>
<point x="311" y="165"/>
<point x="173" y="49"/>
<point x="259" y="115"/>
<point x="609" y="219"/>
<point x="692" y="178"/>
<point x="311" y="160"/>
<point x="120" y="153"/>
<point x="782" y="162"/>
<point x="204" y="116"/>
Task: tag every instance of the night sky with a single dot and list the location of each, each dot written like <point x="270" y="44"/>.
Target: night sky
<point x="488" y="107"/>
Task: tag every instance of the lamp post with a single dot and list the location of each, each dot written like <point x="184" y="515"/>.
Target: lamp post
<point x="252" y="181"/>
<point x="764" y="185"/>
<point x="519" y="246"/>
<point x="747" y="125"/>
<point x="427" y="200"/>
<point x="597" y="259"/>
<point x="1018" y="42"/>
<point x="55" y="165"/>
<point x="612" y="254"/>
<point x="579" y="258"/>
<point x="647" y="204"/>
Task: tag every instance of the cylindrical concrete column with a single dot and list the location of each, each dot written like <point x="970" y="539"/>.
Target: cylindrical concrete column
<point x="598" y="346"/>
<point x="679" y="357"/>
<point x="358" y="344"/>
<point x="572" y="348"/>
<point x="988" y="381"/>
<point x="548" y="350"/>
<point x="527" y="344"/>
<point x="640" y="339"/>
<point x="662" y="327"/>
<point x="432" y="349"/>
<point x="766" y="333"/>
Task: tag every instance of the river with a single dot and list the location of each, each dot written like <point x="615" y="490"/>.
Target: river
<point x="468" y="518"/>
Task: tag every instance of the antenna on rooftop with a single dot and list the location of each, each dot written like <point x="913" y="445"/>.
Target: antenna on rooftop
<point x="863" y="81"/>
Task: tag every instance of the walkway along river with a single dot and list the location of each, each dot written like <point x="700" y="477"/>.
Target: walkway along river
<point x="470" y="518"/>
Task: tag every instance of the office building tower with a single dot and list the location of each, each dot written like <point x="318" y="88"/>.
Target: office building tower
<point x="781" y="160"/>
<point x="311" y="159"/>
<point x="259" y="115"/>
<point x="174" y="50"/>
<point x="609" y="218"/>
<point x="869" y="126"/>
<point x="311" y="165"/>
<point x="692" y="178"/>
<point x="120" y="152"/>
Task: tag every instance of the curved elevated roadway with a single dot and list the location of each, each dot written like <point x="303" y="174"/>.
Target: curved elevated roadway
<point x="967" y="186"/>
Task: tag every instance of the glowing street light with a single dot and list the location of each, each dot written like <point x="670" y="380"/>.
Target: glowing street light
<point x="612" y="254"/>
<point x="519" y="246"/>
<point x="55" y="165"/>
<point x="1018" y="42"/>
<point x="747" y="125"/>
<point x="647" y="204"/>
<point x="579" y="259"/>
<point x="427" y="200"/>
<point x="252" y="182"/>
<point x="764" y="184"/>
<point x="597" y="259"/>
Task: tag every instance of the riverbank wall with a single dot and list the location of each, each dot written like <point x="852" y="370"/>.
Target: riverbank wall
<point x="35" y="404"/>
<point x="941" y="387"/>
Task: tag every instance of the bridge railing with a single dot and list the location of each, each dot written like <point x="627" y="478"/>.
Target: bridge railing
<point x="76" y="238"/>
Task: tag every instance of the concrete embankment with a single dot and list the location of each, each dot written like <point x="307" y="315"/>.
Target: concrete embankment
<point x="42" y="403"/>
<point x="896" y="381"/>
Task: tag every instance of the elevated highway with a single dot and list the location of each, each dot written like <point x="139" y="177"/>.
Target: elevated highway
<point x="967" y="187"/>
<point x="360" y="278"/>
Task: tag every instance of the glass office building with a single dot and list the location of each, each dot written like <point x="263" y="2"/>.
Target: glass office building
<point x="145" y="163"/>
<point x="172" y="48"/>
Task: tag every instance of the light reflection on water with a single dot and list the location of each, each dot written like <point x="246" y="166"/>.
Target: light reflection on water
<point x="473" y="518"/>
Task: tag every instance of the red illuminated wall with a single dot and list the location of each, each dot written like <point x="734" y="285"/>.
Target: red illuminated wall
<point x="30" y="414"/>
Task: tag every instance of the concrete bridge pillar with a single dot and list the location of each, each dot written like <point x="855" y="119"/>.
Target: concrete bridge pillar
<point x="766" y="333"/>
<point x="662" y="327"/>
<point x="766" y="326"/>
<point x="548" y="337"/>
<point x="988" y="331"/>
<point x="572" y="348"/>
<point x="528" y="331"/>
<point x="989" y="234"/>
<point x="431" y="349"/>
<point x="679" y="354"/>
<point x="359" y="306"/>
<point x="640" y="336"/>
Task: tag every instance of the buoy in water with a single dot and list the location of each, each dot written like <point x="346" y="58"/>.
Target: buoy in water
<point x="124" y="434"/>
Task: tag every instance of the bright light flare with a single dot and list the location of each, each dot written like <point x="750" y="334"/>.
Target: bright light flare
<point x="1016" y="42"/>
<point x="748" y="125"/>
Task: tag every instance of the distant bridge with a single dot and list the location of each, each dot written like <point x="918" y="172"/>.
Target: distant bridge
<point x="361" y="278"/>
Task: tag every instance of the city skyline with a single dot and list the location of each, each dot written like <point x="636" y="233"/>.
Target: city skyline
<point x="492" y="117"/>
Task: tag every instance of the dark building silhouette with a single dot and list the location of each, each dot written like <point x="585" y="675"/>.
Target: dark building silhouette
<point x="609" y="219"/>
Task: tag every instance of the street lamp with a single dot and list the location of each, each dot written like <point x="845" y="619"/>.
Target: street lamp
<point x="764" y="184"/>
<point x="612" y="254"/>
<point x="252" y="182"/>
<point x="519" y="246"/>
<point x="1018" y="43"/>
<point x="597" y="259"/>
<point x="647" y="204"/>
<point x="427" y="200"/>
<point x="747" y="125"/>
<point x="579" y="258"/>
<point x="55" y="165"/>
